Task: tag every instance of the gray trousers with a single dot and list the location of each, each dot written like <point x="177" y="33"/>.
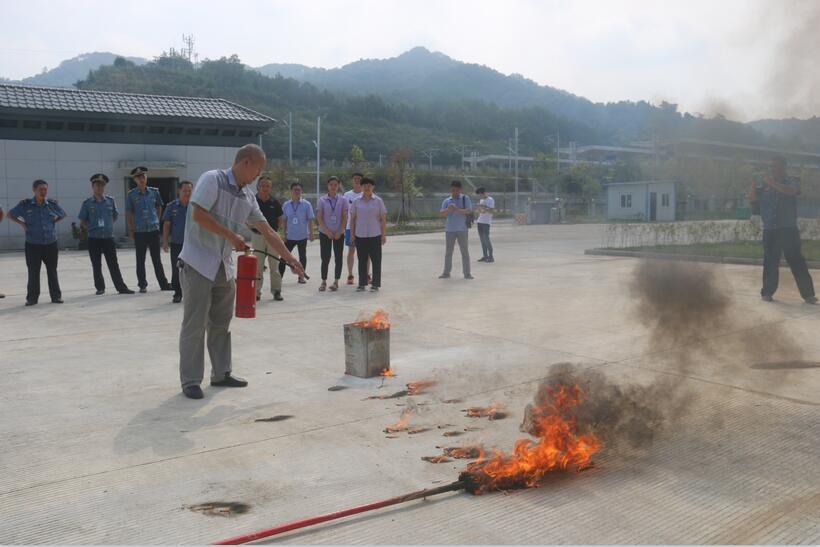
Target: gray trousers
<point x="450" y="239"/>
<point x="260" y="243"/>
<point x="208" y="309"/>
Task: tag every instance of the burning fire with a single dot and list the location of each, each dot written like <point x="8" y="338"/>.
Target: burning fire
<point x="494" y="412"/>
<point x="471" y="452"/>
<point x="401" y="425"/>
<point x="560" y="446"/>
<point x="387" y="373"/>
<point x="380" y="320"/>
<point x="417" y="388"/>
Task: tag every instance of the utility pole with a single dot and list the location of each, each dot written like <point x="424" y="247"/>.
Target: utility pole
<point x="558" y="152"/>
<point x="290" y="138"/>
<point x="429" y="155"/>
<point x="516" y="170"/>
<point x="509" y="155"/>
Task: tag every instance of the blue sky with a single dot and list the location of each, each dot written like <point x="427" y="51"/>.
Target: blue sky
<point x="706" y="56"/>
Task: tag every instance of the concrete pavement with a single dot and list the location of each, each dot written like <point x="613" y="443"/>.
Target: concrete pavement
<point x="99" y="446"/>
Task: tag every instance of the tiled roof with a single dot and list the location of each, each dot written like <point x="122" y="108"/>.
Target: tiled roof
<point x="55" y="99"/>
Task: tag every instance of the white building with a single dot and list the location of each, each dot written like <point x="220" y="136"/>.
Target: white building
<point x="64" y="136"/>
<point x="651" y="200"/>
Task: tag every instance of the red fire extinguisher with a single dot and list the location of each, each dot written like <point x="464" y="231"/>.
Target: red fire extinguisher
<point x="246" y="285"/>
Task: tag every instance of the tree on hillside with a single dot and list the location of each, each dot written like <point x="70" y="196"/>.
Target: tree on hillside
<point x="401" y="180"/>
<point x="357" y="157"/>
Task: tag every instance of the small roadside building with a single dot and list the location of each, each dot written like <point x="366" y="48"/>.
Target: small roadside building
<point x="64" y="136"/>
<point x="649" y="200"/>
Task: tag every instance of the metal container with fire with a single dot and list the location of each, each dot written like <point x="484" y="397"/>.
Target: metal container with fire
<point x="367" y="346"/>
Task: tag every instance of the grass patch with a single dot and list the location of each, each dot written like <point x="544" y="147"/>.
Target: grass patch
<point x="736" y="249"/>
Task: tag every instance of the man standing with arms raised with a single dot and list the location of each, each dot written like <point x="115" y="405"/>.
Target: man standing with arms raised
<point x="143" y="206"/>
<point x="777" y="195"/>
<point x="221" y="204"/>
<point x="456" y="208"/>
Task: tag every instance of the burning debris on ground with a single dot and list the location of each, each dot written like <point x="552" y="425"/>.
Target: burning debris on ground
<point x="494" y="412"/>
<point x="417" y="388"/>
<point x="470" y="452"/>
<point x="560" y="445"/>
<point x="436" y="459"/>
<point x="379" y="320"/>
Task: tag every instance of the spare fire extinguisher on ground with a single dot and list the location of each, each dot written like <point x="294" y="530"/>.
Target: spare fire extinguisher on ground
<point x="246" y="285"/>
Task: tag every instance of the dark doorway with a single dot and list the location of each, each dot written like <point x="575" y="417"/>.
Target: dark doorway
<point x="167" y="187"/>
<point x="653" y="206"/>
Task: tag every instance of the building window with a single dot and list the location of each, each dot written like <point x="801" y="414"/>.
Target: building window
<point x="626" y="201"/>
<point x="175" y="131"/>
<point x="96" y="127"/>
<point x="54" y="125"/>
<point x="664" y="200"/>
<point x="76" y="126"/>
<point x="8" y="123"/>
<point x="116" y="128"/>
<point x="31" y="124"/>
<point x="193" y="131"/>
<point x="156" y="129"/>
<point x="211" y="132"/>
<point x="245" y="133"/>
<point x="229" y="132"/>
<point x="137" y="129"/>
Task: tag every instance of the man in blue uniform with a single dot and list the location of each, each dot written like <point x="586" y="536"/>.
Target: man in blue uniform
<point x="98" y="215"/>
<point x="173" y="231"/>
<point x="38" y="216"/>
<point x="143" y="206"/>
<point x="777" y="195"/>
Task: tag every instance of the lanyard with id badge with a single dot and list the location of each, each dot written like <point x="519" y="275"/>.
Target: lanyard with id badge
<point x="295" y="209"/>
<point x="333" y="218"/>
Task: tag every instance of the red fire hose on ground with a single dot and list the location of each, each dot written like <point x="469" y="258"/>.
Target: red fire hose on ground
<point x="304" y="523"/>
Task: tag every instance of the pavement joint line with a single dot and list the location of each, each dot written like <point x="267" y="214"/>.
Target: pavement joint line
<point x="716" y="383"/>
<point x="379" y="416"/>
<point x="239" y="445"/>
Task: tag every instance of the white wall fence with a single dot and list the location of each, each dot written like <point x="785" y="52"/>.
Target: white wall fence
<point x="622" y="235"/>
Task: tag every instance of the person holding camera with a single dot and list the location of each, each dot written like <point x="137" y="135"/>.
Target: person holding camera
<point x="776" y="197"/>
<point x="458" y="208"/>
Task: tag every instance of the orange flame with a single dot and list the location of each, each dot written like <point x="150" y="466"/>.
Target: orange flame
<point x="471" y="452"/>
<point x="401" y="425"/>
<point x="559" y="446"/>
<point x="387" y="373"/>
<point x="380" y="320"/>
<point x="494" y="411"/>
<point x="417" y="388"/>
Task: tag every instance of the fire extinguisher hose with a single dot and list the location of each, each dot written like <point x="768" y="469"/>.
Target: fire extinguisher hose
<point x="282" y="260"/>
<point x="295" y="525"/>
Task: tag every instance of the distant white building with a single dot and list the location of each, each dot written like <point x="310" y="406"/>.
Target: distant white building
<point x="651" y="200"/>
<point x="64" y="136"/>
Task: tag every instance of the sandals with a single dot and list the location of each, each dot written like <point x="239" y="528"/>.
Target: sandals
<point x="335" y="286"/>
<point x="323" y="286"/>
<point x="350" y="280"/>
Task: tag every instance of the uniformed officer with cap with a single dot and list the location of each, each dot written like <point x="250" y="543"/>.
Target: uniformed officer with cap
<point x="143" y="206"/>
<point x="38" y="216"/>
<point x="98" y="215"/>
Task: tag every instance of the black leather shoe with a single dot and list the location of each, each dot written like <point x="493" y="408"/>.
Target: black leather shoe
<point x="99" y="292"/>
<point x="126" y="291"/>
<point x="468" y="276"/>
<point x="444" y="276"/>
<point x="278" y="296"/>
<point x="230" y="381"/>
<point x="766" y="298"/>
<point x="810" y="300"/>
<point x="56" y="300"/>
<point x="29" y="303"/>
<point x="167" y="288"/>
<point x="143" y="290"/>
<point x="177" y="299"/>
<point x="193" y="392"/>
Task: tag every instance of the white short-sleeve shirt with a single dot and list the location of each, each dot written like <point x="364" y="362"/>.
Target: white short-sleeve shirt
<point x="233" y="207"/>
<point x="486" y="218"/>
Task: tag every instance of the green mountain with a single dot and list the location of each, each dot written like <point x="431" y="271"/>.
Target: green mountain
<point x="68" y="72"/>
